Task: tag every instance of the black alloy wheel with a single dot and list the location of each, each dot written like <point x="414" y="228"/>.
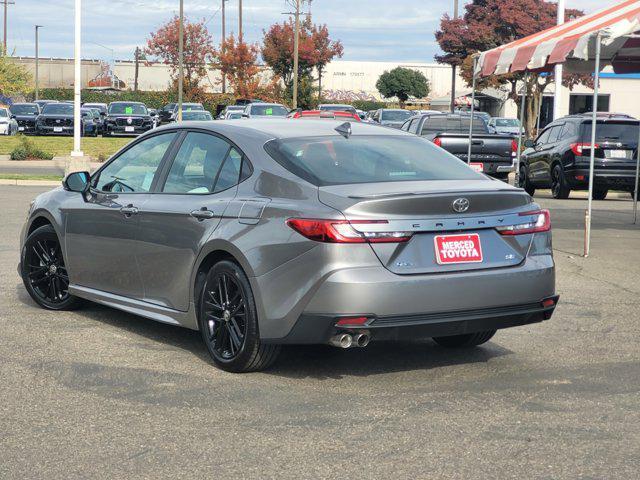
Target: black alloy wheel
<point x="559" y="188"/>
<point x="44" y="272"/>
<point x="228" y="321"/>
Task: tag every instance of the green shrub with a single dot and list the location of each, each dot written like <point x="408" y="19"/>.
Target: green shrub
<point x="26" y="150"/>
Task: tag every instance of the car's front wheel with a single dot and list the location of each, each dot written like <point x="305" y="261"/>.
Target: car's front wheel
<point x="229" y="322"/>
<point x="44" y="273"/>
<point x="465" y="341"/>
<point x="600" y="194"/>
<point x="525" y="183"/>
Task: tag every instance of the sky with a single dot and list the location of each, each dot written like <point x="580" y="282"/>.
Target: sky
<point x="370" y="30"/>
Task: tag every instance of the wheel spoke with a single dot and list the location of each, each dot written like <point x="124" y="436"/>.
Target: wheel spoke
<point x="232" y="339"/>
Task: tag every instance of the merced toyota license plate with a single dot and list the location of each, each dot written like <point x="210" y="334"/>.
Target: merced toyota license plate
<point x="129" y="129"/>
<point x="462" y="248"/>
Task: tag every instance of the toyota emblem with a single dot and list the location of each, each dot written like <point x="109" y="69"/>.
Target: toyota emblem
<point x="460" y="205"/>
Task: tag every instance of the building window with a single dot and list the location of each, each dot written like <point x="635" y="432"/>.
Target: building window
<point x="583" y="103"/>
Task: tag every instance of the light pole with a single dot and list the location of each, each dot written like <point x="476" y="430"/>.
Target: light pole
<point x="77" y="83"/>
<point x="38" y="27"/>
<point x="224" y="36"/>
<point x="6" y="11"/>
<point x="295" y="55"/>
<point x="240" y="20"/>
<point x="557" y="95"/>
<point x="453" y="67"/>
<point x="180" y="59"/>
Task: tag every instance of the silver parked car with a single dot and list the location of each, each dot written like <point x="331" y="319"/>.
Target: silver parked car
<point x="260" y="234"/>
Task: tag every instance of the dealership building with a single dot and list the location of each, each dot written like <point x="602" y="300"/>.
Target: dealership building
<point x="355" y="80"/>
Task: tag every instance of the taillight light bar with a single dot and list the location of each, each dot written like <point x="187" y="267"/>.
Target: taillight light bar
<point x="342" y="231"/>
<point x="542" y="223"/>
<point x="437" y="141"/>
<point x="514" y="148"/>
<point x="579" y="148"/>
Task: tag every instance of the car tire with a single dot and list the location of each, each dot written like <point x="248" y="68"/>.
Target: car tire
<point x="559" y="188"/>
<point x="465" y="341"/>
<point x="600" y="194"/>
<point x="525" y="183"/>
<point x="44" y="273"/>
<point x="229" y="322"/>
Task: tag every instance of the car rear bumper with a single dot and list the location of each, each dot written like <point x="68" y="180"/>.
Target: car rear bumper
<point x="622" y="179"/>
<point x="320" y="328"/>
<point x="436" y="303"/>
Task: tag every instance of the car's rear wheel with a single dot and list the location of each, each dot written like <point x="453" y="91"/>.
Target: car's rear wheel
<point x="525" y="183"/>
<point x="559" y="187"/>
<point x="229" y="322"/>
<point x="44" y="272"/>
<point x="600" y="194"/>
<point x="465" y="341"/>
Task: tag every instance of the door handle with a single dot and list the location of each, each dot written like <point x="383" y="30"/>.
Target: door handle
<point x="129" y="210"/>
<point x="203" y="214"/>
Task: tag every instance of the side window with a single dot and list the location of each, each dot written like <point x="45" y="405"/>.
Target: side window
<point x="230" y="172"/>
<point x="568" y="131"/>
<point x="555" y="133"/>
<point x="413" y="127"/>
<point x="196" y="165"/>
<point x="543" y="137"/>
<point x="133" y="171"/>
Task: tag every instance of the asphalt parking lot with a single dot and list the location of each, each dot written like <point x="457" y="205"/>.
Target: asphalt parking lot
<point x="102" y="394"/>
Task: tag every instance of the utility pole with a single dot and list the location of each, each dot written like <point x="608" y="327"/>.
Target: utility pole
<point x="453" y="67"/>
<point x="295" y="55"/>
<point x="180" y="60"/>
<point x="6" y="3"/>
<point x="557" y="95"/>
<point x="224" y="37"/>
<point x="240" y="20"/>
<point x="37" y="62"/>
<point x="137" y="70"/>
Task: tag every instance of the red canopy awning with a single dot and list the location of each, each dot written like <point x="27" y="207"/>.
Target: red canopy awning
<point x="573" y="43"/>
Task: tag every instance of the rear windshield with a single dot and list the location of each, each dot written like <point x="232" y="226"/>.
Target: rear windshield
<point x="58" y="109"/>
<point x="127" y="109"/>
<point x="23" y="109"/>
<point x="367" y="159"/>
<point x="442" y="123"/>
<point x="337" y="108"/>
<point x="192" y="106"/>
<point x="623" y="132"/>
<point x="269" y="110"/>
<point x="507" y="122"/>
<point x="395" y="116"/>
<point x="196" y="116"/>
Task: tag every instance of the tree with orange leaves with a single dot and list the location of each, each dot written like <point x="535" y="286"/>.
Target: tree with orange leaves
<point x="198" y="51"/>
<point x="237" y="60"/>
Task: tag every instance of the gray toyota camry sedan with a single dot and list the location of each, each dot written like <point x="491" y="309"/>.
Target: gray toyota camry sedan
<point x="264" y="233"/>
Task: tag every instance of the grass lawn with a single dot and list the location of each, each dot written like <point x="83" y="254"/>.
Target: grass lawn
<point x="99" y="148"/>
<point x="22" y="176"/>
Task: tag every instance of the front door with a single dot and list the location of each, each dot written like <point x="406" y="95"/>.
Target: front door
<point x="175" y="223"/>
<point x="101" y="230"/>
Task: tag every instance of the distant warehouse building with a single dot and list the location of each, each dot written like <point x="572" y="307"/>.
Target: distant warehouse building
<point x="354" y="80"/>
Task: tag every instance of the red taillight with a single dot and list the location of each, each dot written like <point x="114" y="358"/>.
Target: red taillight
<point x="437" y="141"/>
<point x="541" y="223"/>
<point x="352" y="321"/>
<point x="343" y="231"/>
<point x="579" y="148"/>
<point x="514" y="148"/>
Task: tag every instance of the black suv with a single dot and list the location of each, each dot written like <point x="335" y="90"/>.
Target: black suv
<point x="559" y="157"/>
<point x="26" y="115"/>
<point x="127" y="118"/>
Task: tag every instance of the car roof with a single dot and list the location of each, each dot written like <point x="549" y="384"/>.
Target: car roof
<point x="286" y="128"/>
<point x="264" y="103"/>
<point x="24" y="103"/>
<point x="124" y="101"/>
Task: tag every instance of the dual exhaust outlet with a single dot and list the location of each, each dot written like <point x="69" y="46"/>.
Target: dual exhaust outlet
<point x="347" y="340"/>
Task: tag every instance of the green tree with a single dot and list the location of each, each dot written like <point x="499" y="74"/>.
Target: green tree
<point x="403" y="83"/>
<point x="14" y="78"/>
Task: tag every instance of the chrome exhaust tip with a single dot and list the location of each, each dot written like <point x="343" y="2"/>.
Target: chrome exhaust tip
<point x="341" y="340"/>
<point x="361" y="340"/>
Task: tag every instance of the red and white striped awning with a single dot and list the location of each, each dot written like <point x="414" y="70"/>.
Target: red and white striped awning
<point x="573" y="44"/>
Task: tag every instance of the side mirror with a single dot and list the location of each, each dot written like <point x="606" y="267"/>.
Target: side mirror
<point x="528" y="143"/>
<point x="77" y="182"/>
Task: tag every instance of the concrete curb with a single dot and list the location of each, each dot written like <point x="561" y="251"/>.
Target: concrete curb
<point x="30" y="183"/>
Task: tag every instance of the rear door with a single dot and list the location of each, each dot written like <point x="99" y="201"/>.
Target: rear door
<point x="536" y="157"/>
<point x="193" y="193"/>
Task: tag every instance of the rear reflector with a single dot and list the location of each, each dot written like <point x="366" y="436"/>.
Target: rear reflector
<point x="352" y="321"/>
<point x="343" y="231"/>
<point x="548" y="302"/>
<point x="540" y="223"/>
<point x="437" y="141"/>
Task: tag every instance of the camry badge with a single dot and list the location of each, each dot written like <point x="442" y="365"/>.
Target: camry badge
<point x="460" y="205"/>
